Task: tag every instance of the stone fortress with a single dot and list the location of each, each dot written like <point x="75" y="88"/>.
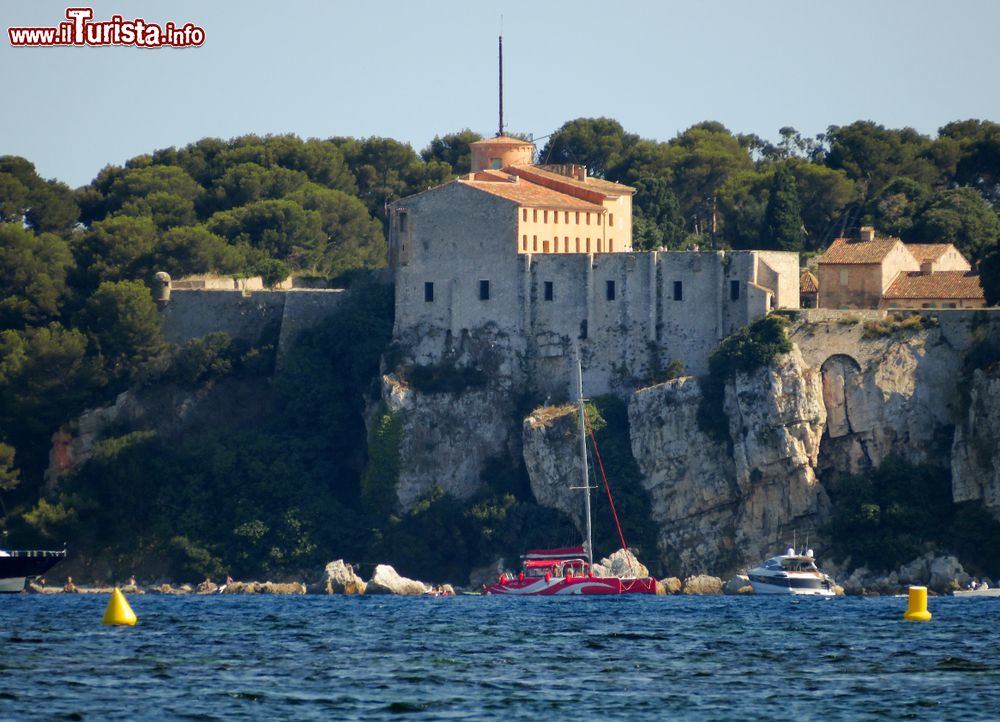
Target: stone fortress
<point x="537" y="259"/>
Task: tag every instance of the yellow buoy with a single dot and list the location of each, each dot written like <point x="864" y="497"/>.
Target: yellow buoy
<point x="917" y="608"/>
<point x="118" y="611"/>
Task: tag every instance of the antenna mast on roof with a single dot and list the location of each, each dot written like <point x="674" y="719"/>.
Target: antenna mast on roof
<point x="500" y="132"/>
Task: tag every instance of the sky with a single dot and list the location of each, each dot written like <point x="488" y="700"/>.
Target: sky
<point x="412" y="70"/>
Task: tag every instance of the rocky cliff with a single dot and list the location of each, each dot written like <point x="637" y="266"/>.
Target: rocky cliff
<point x="855" y="389"/>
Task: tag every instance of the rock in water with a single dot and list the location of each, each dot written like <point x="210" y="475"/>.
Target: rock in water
<point x="621" y="564"/>
<point x="670" y="585"/>
<point x="338" y="578"/>
<point x="740" y="584"/>
<point x="702" y="584"/>
<point x="385" y="580"/>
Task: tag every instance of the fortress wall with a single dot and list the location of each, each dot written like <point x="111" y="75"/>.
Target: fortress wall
<point x="689" y="327"/>
<point x="195" y="313"/>
<point x="445" y="253"/>
<point x="304" y="309"/>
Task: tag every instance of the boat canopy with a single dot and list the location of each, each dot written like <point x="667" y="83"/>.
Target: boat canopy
<point x="557" y="554"/>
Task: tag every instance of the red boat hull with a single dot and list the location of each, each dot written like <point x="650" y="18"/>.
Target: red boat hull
<point x="538" y="586"/>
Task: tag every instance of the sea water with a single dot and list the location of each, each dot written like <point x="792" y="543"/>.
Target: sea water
<point x="498" y="658"/>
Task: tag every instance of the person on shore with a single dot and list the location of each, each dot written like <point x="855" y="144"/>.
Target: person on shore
<point x="69" y="587"/>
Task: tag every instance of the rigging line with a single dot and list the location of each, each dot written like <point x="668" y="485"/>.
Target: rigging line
<point x="607" y="487"/>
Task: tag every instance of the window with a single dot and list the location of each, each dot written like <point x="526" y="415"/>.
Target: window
<point x="402" y="221"/>
<point x="566" y="244"/>
<point x="678" y="290"/>
<point x="600" y="219"/>
<point x="534" y="215"/>
<point x="611" y="245"/>
<point x="610" y="290"/>
<point x="484" y="290"/>
<point x="495" y="163"/>
<point x="577" y="245"/>
<point x="583" y="329"/>
<point x="555" y="216"/>
<point x="429" y="292"/>
<point x="545" y="216"/>
<point x="548" y="290"/>
<point x="578" y="218"/>
<point x="566" y="217"/>
<point x="588" y="218"/>
<point x="843" y="276"/>
<point x="545" y="246"/>
<point x="611" y="219"/>
<point x="524" y="214"/>
<point x="524" y="242"/>
<point x="534" y="243"/>
<point x="600" y="245"/>
<point x="928" y="305"/>
<point x="948" y="305"/>
<point x="734" y="290"/>
<point x="588" y="245"/>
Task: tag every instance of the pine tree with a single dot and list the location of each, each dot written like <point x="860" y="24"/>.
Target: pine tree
<point x="781" y="229"/>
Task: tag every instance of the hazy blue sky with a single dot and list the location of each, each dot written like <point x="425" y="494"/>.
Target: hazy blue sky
<point x="410" y="70"/>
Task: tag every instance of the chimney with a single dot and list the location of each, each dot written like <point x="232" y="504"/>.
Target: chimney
<point x="580" y="172"/>
<point x="867" y="233"/>
<point x="927" y="267"/>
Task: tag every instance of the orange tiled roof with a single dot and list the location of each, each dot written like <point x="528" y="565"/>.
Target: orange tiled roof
<point x="530" y="194"/>
<point x="591" y="185"/>
<point x="808" y="283"/>
<point x="943" y="284"/>
<point x="860" y="252"/>
<point x="924" y="252"/>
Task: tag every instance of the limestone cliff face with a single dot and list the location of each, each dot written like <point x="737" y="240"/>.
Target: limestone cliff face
<point x="551" y="442"/>
<point x="889" y="396"/>
<point x="975" y="451"/>
<point x="776" y="420"/>
<point x="719" y="505"/>
<point x="446" y="438"/>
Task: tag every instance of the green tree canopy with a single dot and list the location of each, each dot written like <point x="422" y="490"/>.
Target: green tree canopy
<point x="781" y="229"/>
<point x="33" y="270"/>
<point x="452" y="149"/>
<point x="282" y="229"/>
<point x="962" y="217"/>
<point x="120" y="317"/>
<point x="116" y="248"/>
<point x="598" y="143"/>
<point x="353" y="238"/>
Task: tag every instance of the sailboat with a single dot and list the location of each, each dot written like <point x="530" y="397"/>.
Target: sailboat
<point x="568" y="570"/>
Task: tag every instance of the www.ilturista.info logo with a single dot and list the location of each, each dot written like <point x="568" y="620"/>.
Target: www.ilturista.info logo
<point x="80" y="30"/>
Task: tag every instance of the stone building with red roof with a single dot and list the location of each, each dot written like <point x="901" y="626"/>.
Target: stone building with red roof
<point x="539" y="260"/>
<point x="884" y="272"/>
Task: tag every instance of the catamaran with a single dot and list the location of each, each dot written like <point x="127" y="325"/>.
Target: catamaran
<point x="569" y="570"/>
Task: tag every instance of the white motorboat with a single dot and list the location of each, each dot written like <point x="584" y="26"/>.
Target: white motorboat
<point x="17" y="566"/>
<point x="791" y="573"/>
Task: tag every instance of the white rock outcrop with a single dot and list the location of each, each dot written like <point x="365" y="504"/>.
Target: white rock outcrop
<point x="385" y="580"/>
<point x="338" y="578"/>
<point x="622" y="564"/>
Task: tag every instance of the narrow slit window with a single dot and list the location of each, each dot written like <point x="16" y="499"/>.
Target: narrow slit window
<point x="429" y="292"/>
<point x="577" y="245"/>
<point x="524" y="242"/>
<point x="402" y="222"/>
<point x="524" y="214"/>
<point x="611" y="219"/>
<point x="548" y="291"/>
<point x="678" y="290"/>
<point x="484" y="290"/>
<point x="734" y="290"/>
<point x="534" y="243"/>
<point x="610" y="290"/>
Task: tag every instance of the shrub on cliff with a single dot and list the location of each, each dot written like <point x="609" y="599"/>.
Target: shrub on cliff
<point x="746" y="350"/>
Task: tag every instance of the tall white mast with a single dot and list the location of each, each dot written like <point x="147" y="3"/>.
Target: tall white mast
<point x="589" y="549"/>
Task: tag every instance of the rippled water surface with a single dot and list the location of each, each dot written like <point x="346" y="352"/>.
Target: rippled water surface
<point x="471" y="658"/>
